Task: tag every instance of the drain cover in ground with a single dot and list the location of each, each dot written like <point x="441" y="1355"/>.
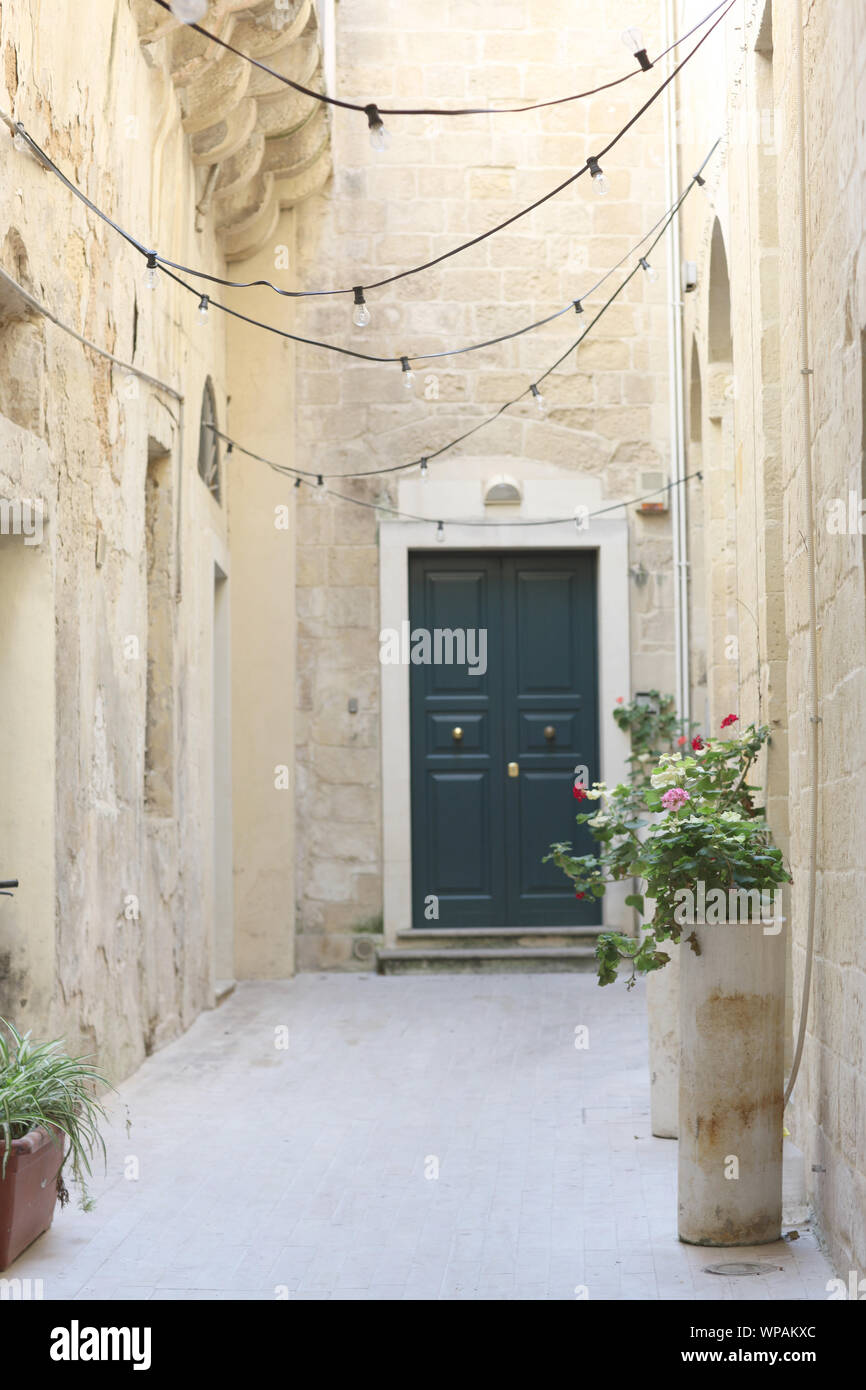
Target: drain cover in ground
<point x="738" y="1267"/>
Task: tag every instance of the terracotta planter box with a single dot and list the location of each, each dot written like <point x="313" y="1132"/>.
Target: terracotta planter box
<point x="28" y="1192"/>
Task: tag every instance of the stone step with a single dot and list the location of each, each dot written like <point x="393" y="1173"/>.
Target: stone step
<point x="485" y="959"/>
<point x="480" y="937"/>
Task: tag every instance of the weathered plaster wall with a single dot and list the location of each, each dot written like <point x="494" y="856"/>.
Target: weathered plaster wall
<point x="439" y="183"/>
<point x="116" y="953"/>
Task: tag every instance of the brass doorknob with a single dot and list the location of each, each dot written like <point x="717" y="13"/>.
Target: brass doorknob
<point x="457" y="734"/>
<point x="513" y="770"/>
<point x="549" y="732"/>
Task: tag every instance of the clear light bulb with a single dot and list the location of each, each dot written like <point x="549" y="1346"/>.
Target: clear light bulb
<point x="360" y="313"/>
<point x="320" y="490"/>
<point x="408" y="374"/>
<point x="633" y="40"/>
<point x="203" y="309"/>
<point x="425" y="471"/>
<point x="599" y="182"/>
<point x="379" y="138"/>
<point x="650" y="271"/>
<point x="538" y="398"/>
<point x="19" y="143"/>
<point x="189" y="11"/>
<point x="440" y="532"/>
<point x="151" y="272"/>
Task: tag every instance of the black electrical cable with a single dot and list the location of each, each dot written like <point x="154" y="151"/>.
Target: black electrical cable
<point x="366" y="108"/>
<point x="592" y="162"/>
<point x="424" y="460"/>
<point x="315" y="342"/>
<point x="456" y="521"/>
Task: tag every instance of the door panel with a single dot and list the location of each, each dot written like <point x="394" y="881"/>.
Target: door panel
<point x="479" y="835"/>
<point x="458" y="820"/>
<point x="551" y="677"/>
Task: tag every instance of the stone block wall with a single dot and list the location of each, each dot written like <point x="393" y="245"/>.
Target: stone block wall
<point x="755" y="202"/>
<point x="441" y="182"/>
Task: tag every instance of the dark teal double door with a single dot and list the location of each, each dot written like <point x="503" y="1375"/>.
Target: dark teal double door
<point x="494" y="752"/>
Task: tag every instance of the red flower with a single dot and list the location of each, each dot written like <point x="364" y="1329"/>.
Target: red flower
<point x="580" y="793"/>
<point x="729" y="719"/>
<point x="580" y="895"/>
<point x="681" y="740"/>
<point x="697" y="743"/>
<point x="619" y="699"/>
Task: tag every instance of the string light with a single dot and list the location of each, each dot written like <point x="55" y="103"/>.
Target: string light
<point x="298" y="477"/>
<point x="151" y="272"/>
<point x="202" y="309"/>
<point x="133" y="241"/>
<point x="592" y="165"/>
<point x="408" y="374"/>
<point x="599" y="182"/>
<point x="181" y="8"/>
<point x="660" y="230"/>
<point x="538" y="398"/>
<point x="380" y="140"/>
<point x="425" y="471"/>
<point x="633" y="40"/>
<point x="360" y="313"/>
<point x="189" y="11"/>
<point x="321" y="491"/>
<point x="651" y="273"/>
<point x="440" y="531"/>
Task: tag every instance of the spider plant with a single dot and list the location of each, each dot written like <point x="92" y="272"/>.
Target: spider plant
<point x="40" y="1084"/>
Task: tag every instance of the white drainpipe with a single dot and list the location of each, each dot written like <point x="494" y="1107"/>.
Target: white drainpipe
<point x="677" y="422"/>
<point x="663" y="987"/>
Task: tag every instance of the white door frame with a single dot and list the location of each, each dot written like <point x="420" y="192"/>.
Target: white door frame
<point x="609" y="538"/>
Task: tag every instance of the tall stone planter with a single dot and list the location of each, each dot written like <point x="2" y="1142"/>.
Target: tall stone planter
<point x="663" y="1014"/>
<point x="732" y="1003"/>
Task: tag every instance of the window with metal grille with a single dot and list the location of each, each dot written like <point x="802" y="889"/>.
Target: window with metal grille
<point x="208" y="444"/>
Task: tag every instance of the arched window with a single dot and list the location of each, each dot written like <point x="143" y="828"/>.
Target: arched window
<point x="208" y="444"/>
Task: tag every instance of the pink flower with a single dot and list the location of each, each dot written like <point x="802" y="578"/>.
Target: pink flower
<point x="619" y="699"/>
<point x="676" y="797"/>
<point x="729" y="719"/>
<point x="681" y="740"/>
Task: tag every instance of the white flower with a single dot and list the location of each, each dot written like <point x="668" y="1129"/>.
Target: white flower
<point x="599" y="820"/>
<point x="668" y="778"/>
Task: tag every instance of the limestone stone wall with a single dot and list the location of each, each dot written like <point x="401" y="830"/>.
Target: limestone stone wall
<point x="441" y="182"/>
<point x="754" y="212"/>
<point x="108" y="939"/>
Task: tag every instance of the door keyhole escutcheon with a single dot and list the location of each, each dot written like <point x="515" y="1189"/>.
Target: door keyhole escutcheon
<point x="513" y="770"/>
<point x="550" y="732"/>
<point x="457" y="734"/>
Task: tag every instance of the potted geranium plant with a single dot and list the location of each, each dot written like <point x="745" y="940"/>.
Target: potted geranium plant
<point x="714" y="875"/>
<point x="49" y="1115"/>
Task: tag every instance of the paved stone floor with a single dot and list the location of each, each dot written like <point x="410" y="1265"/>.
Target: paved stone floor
<point x="307" y="1171"/>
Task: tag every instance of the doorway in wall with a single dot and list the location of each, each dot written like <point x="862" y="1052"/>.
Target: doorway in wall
<point x="224" y="943"/>
<point x="496" y="736"/>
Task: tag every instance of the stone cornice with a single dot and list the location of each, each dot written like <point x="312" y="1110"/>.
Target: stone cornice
<point x="264" y="146"/>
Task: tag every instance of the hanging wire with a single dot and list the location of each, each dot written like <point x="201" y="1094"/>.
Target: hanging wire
<point x="592" y="162"/>
<point x="366" y="108"/>
<point x="481" y="424"/>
